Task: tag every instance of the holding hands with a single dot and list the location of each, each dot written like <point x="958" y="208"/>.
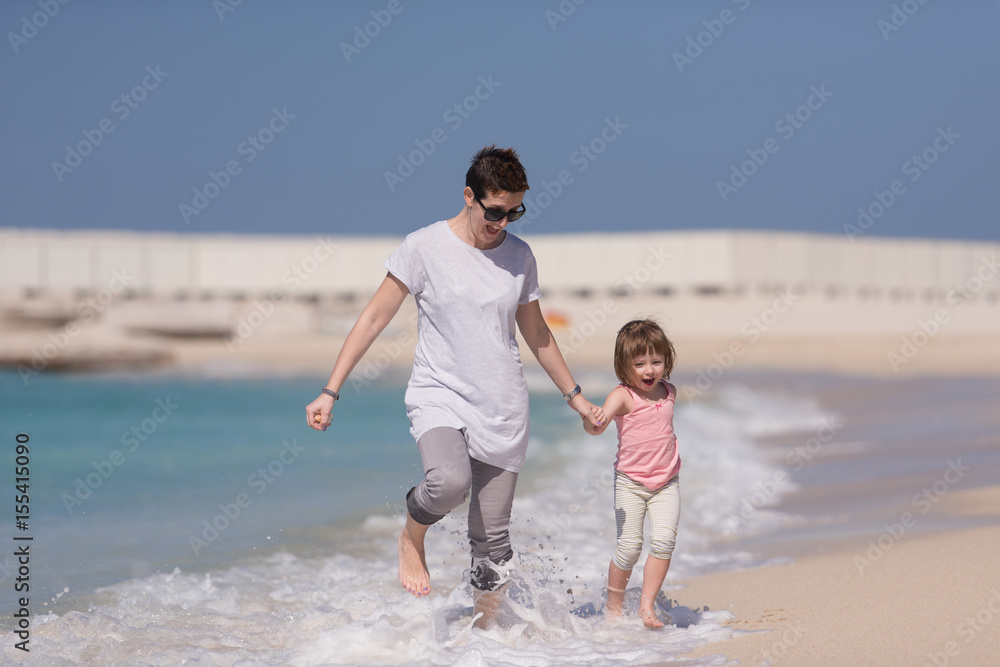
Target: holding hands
<point x="599" y="421"/>
<point x="596" y="421"/>
<point x="617" y="403"/>
<point x="592" y="415"/>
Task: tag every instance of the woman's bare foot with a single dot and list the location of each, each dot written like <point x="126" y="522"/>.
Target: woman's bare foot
<point x="650" y="619"/>
<point x="486" y="605"/>
<point x="412" y="564"/>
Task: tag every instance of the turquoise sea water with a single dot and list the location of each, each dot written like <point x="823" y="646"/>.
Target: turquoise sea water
<point x="198" y="519"/>
<point x="126" y="471"/>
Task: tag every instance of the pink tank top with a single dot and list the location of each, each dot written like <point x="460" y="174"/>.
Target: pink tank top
<point x="647" y="448"/>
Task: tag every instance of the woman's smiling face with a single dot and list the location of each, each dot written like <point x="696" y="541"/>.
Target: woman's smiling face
<point x="488" y="234"/>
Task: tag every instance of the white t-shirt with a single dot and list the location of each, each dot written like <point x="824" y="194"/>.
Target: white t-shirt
<point x="467" y="368"/>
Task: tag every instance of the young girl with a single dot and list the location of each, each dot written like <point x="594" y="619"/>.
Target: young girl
<point x="647" y="464"/>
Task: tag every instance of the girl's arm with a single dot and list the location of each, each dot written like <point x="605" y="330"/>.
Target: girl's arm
<point x="539" y="338"/>
<point x="373" y="319"/>
<point x="619" y="402"/>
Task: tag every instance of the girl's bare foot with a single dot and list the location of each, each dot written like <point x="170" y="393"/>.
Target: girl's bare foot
<point x="412" y="564"/>
<point x="617" y="583"/>
<point x="616" y="600"/>
<point x="650" y="619"/>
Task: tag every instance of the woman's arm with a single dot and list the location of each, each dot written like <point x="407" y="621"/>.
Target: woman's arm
<point x="542" y="344"/>
<point x="373" y="319"/>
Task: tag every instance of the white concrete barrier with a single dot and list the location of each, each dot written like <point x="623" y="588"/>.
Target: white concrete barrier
<point x="69" y="262"/>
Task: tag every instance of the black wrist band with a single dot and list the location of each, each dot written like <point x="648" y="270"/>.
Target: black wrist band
<point x="330" y="392"/>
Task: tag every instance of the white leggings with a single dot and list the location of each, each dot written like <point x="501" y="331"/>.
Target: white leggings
<point x="632" y="501"/>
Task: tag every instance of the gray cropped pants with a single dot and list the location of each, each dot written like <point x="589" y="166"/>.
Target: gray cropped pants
<point x="449" y="476"/>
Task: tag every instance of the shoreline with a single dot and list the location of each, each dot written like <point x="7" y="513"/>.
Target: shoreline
<point x="702" y="360"/>
<point x="894" y="535"/>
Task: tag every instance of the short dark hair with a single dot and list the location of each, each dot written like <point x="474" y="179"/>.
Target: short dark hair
<point x="495" y="170"/>
<point x="637" y="338"/>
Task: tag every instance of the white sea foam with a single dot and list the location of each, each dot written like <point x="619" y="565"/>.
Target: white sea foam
<point x="349" y="609"/>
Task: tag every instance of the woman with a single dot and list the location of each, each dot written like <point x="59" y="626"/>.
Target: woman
<point x="467" y="399"/>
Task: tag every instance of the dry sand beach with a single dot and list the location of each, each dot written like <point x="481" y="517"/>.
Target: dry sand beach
<point x="897" y="514"/>
<point x="930" y="600"/>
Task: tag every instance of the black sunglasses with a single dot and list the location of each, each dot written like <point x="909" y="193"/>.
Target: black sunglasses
<point x="498" y="214"/>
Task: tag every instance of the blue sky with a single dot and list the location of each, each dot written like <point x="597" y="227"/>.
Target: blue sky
<point x="643" y="110"/>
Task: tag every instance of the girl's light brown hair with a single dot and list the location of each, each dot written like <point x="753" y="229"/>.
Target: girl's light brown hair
<point x="637" y="338"/>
